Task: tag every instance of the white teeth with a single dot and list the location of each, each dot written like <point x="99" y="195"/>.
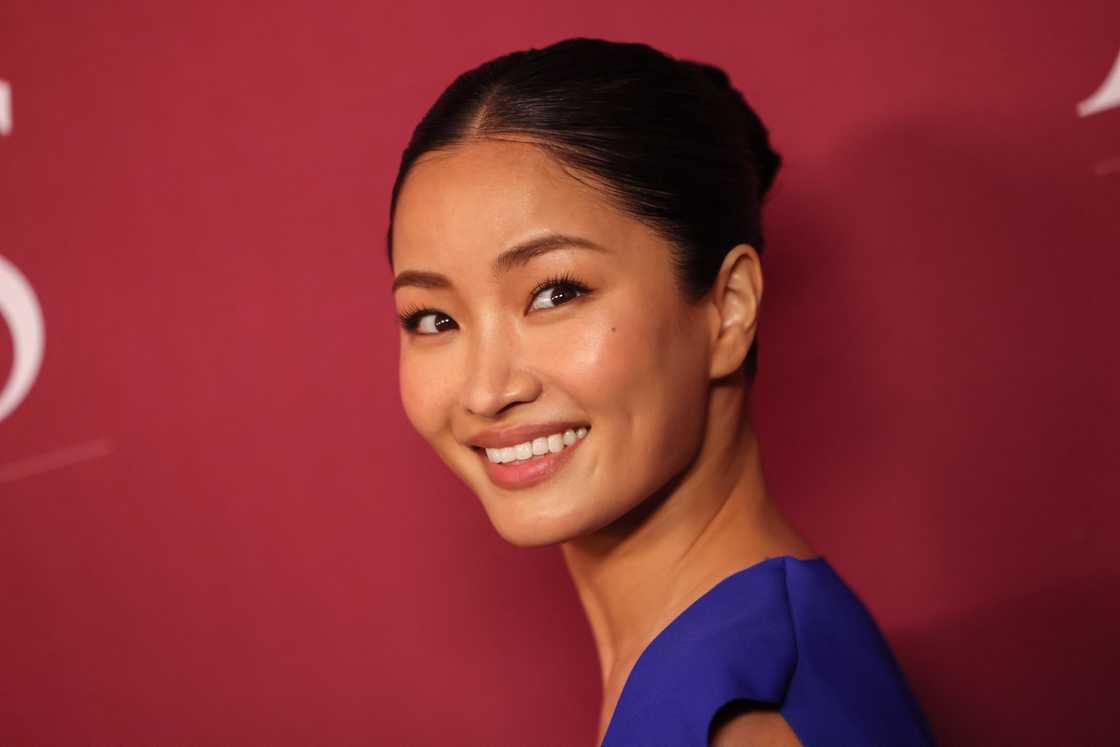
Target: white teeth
<point x="537" y="447"/>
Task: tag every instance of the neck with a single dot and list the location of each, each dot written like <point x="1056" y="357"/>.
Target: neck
<point x="715" y="518"/>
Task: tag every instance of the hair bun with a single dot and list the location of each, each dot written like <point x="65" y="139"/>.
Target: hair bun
<point x="768" y="164"/>
<point x="766" y="160"/>
<point x="715" y="74"/>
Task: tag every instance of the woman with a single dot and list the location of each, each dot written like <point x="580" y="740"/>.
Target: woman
<point x="575" y="237"/>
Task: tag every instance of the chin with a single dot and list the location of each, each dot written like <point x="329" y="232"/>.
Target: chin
<point x="537" y="528"/>
<point x="532" y="537"/>
<point x="552" y="512"/>
<point x="535" y="531"/>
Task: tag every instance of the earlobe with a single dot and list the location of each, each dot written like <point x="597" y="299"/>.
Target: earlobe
<point x="735" y="298"/>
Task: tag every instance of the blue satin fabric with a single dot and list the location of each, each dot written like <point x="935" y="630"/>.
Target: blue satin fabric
<point x="785" y="632"/>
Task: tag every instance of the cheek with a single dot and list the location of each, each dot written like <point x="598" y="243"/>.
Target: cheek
<point x="426" y="395"/>
<point x="644" y="375"/>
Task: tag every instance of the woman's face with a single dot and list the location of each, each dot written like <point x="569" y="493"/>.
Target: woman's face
<point x="536" y="312"/>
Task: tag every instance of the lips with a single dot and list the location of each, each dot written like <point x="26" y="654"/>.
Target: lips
<point x="519" y="475"/>
<point x="501" y="438"/>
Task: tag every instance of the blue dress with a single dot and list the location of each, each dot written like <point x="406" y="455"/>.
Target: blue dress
<point x="785" y="632"/>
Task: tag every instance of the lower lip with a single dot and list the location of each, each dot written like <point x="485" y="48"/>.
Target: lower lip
<point x="514" y="475"/>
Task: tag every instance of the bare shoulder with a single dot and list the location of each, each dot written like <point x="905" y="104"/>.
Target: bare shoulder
<point x="759" y="728"/>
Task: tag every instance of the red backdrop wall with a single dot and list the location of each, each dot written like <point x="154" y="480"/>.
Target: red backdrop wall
<point x="216" y="526"/>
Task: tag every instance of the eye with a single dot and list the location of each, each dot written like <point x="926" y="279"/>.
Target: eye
<point x="557" y="291"/>
<point x="426" y="321"/>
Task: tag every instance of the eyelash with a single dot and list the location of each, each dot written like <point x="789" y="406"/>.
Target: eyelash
<point x="410" y="318"/>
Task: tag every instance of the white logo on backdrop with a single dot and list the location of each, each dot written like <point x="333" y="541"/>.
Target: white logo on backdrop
<point x="5" y="108"/>
<point x="1105" y="97"/>
<point x="20" y="309"/>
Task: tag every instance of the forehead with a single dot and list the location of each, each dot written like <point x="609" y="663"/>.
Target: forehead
<point x="479" y="198"/>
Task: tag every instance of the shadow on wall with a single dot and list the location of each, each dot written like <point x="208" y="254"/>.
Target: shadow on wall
<point x="942" y="303"/>
<point x="1027" y="683"/>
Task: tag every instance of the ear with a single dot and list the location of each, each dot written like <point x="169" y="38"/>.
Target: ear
<point x="733" y="309"/>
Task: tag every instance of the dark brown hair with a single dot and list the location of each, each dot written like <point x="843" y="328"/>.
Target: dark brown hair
<point x="669" y="141"/>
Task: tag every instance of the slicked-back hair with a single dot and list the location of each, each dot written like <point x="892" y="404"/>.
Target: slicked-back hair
<point x="668" y="141"/>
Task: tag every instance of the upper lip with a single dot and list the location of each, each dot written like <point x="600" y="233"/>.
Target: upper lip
<point x="499" y="438"/>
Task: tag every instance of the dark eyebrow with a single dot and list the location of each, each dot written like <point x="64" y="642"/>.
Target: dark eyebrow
<point x="421" y="279"/>
<point x="521" y="254"/>
<point x="516" y="256"/>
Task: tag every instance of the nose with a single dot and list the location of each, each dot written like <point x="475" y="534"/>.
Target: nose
<point x="496" y="376"/>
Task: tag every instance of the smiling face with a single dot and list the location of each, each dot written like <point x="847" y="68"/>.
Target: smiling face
<point x="534" y="307"/>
